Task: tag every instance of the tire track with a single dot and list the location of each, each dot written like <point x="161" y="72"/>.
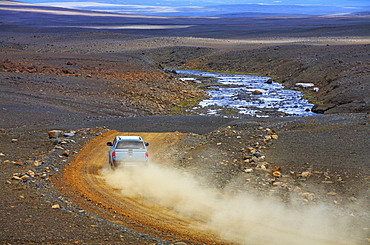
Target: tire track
<point x="93" y="194"/>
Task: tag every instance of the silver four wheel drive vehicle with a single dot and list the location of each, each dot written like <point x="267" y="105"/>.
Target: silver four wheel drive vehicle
<point x="128" y="151"/>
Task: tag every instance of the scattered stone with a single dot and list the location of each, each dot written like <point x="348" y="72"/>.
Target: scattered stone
<point x="274" y="136"/>
<point x="18" y="163"/>
<point x="311" y="197"/>
<point x="37" y="163"/>
<point x="306" y="174"/>
<point x="327" y="182"/>
<point x="276" y="174"/>
<point x="248" y="170"/>
<point x="332" y="193"/>
<point x="24" y="177"/>
<point x="256" y="92"/>
<point x="261" y="167"/>
<point x="180" y="243"/>
<point x="66" y="153"/>
<point x="16" y="177"/>
<point x="55" y="133"/>
<point x="308" y="196"/>
<point x="56" y="206"/>
<point x="14" y="140"/>
<point x="305" y="85"/>
<point x="267" y="138"/>
<point x="57" y="141"/>
<point x="31" y="173"/>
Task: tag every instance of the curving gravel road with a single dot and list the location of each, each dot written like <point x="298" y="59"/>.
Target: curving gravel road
<point x="87" y="181"/>
<point x="83" y="177"/>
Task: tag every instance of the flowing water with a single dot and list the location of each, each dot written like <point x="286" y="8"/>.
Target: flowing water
<point x="235" y="95"/>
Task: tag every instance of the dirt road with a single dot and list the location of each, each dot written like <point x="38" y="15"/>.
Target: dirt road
<point x="84" y="178"/>
<point x="85" y="182"/>
<point x="72" y="79"/>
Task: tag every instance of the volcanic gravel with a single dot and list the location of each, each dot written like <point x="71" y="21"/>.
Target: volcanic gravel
<point x="85" y="82"/>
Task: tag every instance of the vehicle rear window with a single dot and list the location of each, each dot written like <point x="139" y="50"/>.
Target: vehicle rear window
<point x="127" y="144"/>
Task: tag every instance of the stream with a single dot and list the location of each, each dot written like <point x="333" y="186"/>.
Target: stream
<point x="238" y="95"/>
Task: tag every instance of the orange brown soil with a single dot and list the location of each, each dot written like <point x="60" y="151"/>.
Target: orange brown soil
<point x="80" y="80"/>
<point x="83" y="184"/>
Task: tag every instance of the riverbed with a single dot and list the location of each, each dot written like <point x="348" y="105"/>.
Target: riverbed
<point x="238" y="95"/>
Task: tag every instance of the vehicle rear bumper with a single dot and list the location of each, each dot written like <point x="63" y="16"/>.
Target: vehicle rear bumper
<point x="128" y="164"/>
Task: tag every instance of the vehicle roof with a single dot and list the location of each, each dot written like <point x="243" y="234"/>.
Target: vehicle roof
<point x="119" y="138"/>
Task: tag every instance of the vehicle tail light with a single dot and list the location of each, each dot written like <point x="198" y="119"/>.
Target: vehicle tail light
<point x="114" y="156"/>
<point x="147" y="154"/>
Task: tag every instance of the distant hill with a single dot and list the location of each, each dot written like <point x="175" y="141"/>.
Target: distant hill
<point x="258" y="10"/>
<point x="146" y="7"/>
<point x="365" y="13"/>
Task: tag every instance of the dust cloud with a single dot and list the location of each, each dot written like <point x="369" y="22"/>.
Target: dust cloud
<point x="242" y="218"/>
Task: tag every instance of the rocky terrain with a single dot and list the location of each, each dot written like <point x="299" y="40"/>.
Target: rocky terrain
<point x="86" y="82"/>
<point x="339" y="71"/>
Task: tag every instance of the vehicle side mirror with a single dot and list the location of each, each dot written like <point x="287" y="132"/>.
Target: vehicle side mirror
<point x="109" y="144"/>
<point x="146" y="144"/>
